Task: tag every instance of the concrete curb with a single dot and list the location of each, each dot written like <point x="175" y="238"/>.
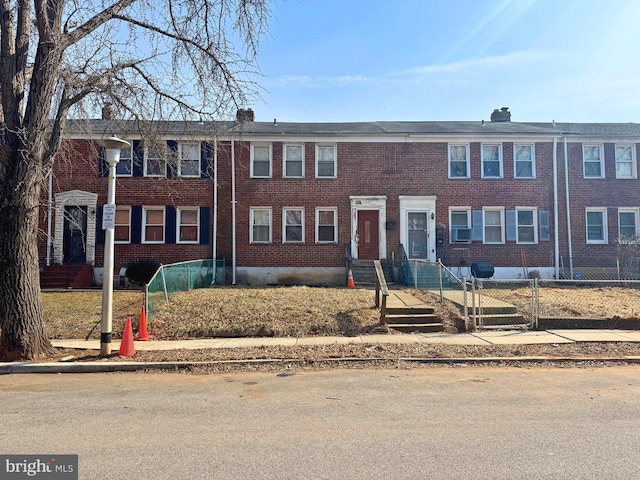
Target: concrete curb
<point x="106" y="367"/>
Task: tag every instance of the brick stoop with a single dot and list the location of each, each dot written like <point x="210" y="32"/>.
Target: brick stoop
<point x="66" y="276"/>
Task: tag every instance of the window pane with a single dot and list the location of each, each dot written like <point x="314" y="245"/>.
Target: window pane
<point x="293" y="169"/>
<point x="492" y="218"/>
<point x="591" y="154"/>
<point x="154" y="167"/>
<point x="627" y="224"/>
<point x="188" y="217"/>
<point x="325" y="154"/>
<point x="326" y="217"/>
<point x="458" y="153"/>
<point x="523" y="153"/>
<point x="122" y="217"/>
<point x="121" y="233"/>
<point x="459" y="219"/>
<point x="261" y="217"/>
<point x="493" y="235"/>
<point x="294" y="153"/>
<point x="123" y="167"/>
<point x="155" y="217"/>
<point x="294" y="217"/>
<point x="261" y="233"/>
<point x="526" y="234"/>
<point x="154" y="234"/>
<point x="325" y="169"/>
<point x="188" y="234"/>
<point x="260" y="168"/>
<point x="261" y="153"/>
<point x="592" y="169"/>
<point x="326" y="233"/>
<point x="595" y="226"/>
<point x="525" y="217"/>
<point x="458" y="169"/>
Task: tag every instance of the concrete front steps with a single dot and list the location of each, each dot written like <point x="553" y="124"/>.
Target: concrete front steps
<point x="407" y="314"/>
<point x="364" y="272"/>
<point x="66" y="276"/>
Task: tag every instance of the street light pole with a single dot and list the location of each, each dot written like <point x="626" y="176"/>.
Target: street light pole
<point x="112" y="146"/>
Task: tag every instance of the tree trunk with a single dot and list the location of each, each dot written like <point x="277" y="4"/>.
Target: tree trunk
<point x="21" y="314"/>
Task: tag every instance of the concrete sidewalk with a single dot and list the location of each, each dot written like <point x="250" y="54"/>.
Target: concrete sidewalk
<point x="515" y="337"/>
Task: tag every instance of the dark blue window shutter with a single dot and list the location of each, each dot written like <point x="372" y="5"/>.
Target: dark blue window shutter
<point x="103" y="167"/>
<point x="172" y="163"/>
<point x="205" y="225"/>
<point x="138" y="158"/>
<point x="511" y="226"/>
<point x="206" y="156"/>
<point x="99" y="230"/>
<point x="476" y="231"/>
<point x="545" y="235"/>
<point x="170" y="224"/>
<point x="136" y="224"/>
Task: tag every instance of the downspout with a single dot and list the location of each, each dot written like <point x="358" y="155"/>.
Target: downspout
<point x="49" y="213"/>
<point x="566" y="189"/>
<point x="214" y="243"/>
<point x="556" y="246"/>
<point x="233" y="210"/>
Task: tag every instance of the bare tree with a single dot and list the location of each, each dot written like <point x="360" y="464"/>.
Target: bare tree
<point x="146" y="59"/>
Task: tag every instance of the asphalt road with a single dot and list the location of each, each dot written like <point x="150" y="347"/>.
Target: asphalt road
<point x="431" y="423"/>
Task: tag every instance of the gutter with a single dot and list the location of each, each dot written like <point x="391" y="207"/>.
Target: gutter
<point x="214" y="243"/>
<point x="566" y="188"/>
<point x="49" y="213"/>
<point x="556" y="246"/>
<point x="233" y="209"/>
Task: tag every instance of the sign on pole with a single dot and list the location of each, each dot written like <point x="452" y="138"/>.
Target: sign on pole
<point x="109" y="216"/>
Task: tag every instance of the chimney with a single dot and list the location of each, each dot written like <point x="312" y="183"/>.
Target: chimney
<point x="244" y="115"/>
<point x="502" y="115"/>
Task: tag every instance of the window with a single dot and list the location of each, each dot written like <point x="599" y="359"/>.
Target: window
<point x="460" y="224"/>
<point x="188" y="222"/>
<point x="154" y="163"/>
<point x="261" y="161"/>
<point x="189" y="164"/>
<point x="491" y="161"/>
<point x="122" y="230"/>
<point x="626" y="161"/>
<point x="628" y="224"/>
<point x="458" y="161"/>
<point x="592" y="160"/>
<point x="260" y="225"/>
<point x="293" y="161"/>
<point x="596" y="225"/>
<point x="326" y="225"/>
<point x="524" y="161"/>
<point x="527" y="225"/>
<point x="293" y="225"/>
<point x="493" y="222"/>
<point x="153" y="225"/>
<point x="326" y="165"/>
<point x="124" y="168"/>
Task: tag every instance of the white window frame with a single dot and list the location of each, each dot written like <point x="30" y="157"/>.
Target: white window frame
<point x="584" y="160"/>
<point x="179" y="211"/>
<point x="335" y="159"/>
<point x="262" y="145"/>
<point x="270" y="224"/>
<point x="144" y="224"/>
<point x="533" y="159"/>
<point x="128" y="224"/>
<point x="467" y="210"/>
<point x="605" y="231"/>
<point x="634" y="164"/>
<point x="482" y="162"/>
<point x="501" y="225"/>
<point x="534" y="211"/>
<point x="636" y="215"/>
<point x="123" y="160"/>
<point x="162" y="161"/>
<point x="198" y="148"/>
<point x="285" y="225"/>
<point x="467" y="160"/>
<point x="335" y="224"/>
<point x="284" y="160"/>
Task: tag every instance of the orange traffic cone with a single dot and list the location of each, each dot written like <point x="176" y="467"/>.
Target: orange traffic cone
<point x="142" y="330"/>
<point x="126" y="345"/>
<point x="350" y="282"/>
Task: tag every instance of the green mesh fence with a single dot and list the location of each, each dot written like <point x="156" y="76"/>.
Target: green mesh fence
<point x="182" y="277"/>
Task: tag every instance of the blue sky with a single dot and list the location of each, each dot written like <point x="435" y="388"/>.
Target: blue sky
<point x="367" y="60"/>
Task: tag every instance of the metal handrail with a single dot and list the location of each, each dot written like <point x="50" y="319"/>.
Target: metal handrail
<point x="381" y="288"/>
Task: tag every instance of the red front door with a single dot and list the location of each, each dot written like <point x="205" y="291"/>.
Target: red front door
<point x="368" y="245"/>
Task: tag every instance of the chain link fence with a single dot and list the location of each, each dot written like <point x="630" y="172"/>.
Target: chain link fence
<point x="182" y="277"/>
<point x="534" y="303"/>
<point x="594" y="267"/>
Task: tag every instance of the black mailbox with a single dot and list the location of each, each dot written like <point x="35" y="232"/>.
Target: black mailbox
<point x="482" y="269"/>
